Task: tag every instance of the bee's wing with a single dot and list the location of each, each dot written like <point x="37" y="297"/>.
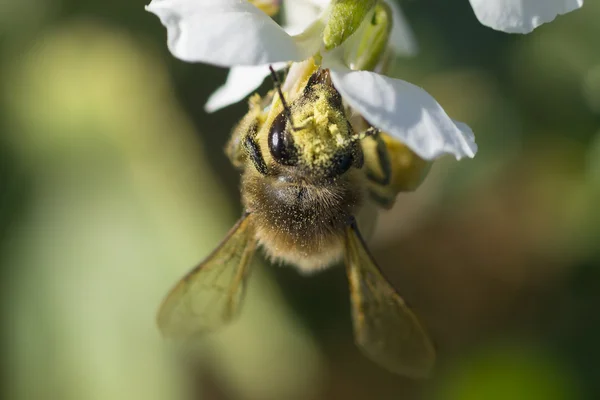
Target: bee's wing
<point x="385" y="329"/>
<point x="210" y="294"/>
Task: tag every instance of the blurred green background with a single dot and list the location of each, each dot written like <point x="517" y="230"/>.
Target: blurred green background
<point x="114" y="183"/>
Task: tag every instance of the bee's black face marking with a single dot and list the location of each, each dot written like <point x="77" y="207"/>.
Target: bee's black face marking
<point x="255" y="155"/>
<point x="358" y="157"/>
<point x="343" y="160"/>
<point x="341" y="163"/>
<point x="281" y="142"/>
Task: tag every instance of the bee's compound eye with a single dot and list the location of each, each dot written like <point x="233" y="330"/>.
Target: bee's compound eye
<point x="281" y="144"/>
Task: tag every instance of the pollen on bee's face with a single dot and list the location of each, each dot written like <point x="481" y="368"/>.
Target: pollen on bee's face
<point x="323" y="129"/>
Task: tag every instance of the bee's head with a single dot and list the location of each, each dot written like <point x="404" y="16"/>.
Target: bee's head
<point x="314" y="134"/>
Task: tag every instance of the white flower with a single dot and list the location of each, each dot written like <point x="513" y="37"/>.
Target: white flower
<point x="513" y="16"/>
<point x="299" y="15"/>
<point x="247" y="36"/>
<point x="520" y="16"/>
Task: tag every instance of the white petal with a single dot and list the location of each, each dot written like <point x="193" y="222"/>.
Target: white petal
<point x="468" y="135"/>
<point x="309" y="38"/>
<point x="402" y="39"/>
<point x="520" y="16"/>
<point x="241" y="82"/>
<point x="403" y="110"/>
<point x="224" y="33"/>
<point x="296" y="76"/>
<point x="318" y="3"/>
<point x="299" y="14"/>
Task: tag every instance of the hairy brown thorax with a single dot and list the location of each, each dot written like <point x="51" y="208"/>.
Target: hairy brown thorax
<point x="299" y="222"/>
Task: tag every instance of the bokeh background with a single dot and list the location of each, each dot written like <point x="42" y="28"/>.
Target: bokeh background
<point x="113" y="183"/>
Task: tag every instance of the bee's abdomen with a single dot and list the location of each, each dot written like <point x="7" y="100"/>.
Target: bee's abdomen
<point x="302" y="224"/>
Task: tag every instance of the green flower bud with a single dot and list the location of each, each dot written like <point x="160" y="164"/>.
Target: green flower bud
<point x="345" y="18"/>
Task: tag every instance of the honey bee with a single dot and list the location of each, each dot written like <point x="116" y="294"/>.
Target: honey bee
<point x="306" y="176"/>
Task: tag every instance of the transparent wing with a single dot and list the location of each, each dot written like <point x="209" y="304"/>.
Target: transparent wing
<point x="385" y="329"/>
<point x="210" y="294"/>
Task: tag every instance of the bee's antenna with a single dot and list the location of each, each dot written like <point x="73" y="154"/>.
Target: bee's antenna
<point x="286" y="109"/>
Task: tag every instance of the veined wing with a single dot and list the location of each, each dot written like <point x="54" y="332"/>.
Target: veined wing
<point x="211" y="294"/>
<point x="385" y="329"/>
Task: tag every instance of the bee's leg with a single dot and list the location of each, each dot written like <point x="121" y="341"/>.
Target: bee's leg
<point x="255" y="154"/>
<point x="383" y="200"/>
<point x="380" y="190"/>
<point x="383" y="157"/>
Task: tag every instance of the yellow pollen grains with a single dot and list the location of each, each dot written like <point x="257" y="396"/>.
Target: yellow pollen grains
<point x="322" y="129"/>
<point x="269" y="7"/>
